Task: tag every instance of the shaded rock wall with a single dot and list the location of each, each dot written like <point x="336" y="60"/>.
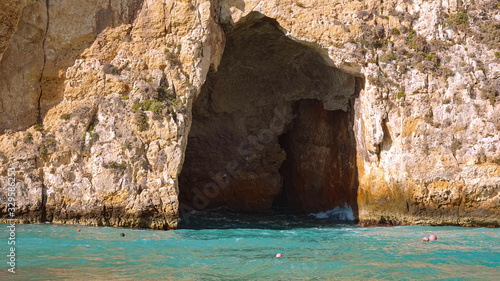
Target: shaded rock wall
<point x="50" y="36"/>
<point x="20" y="83"/>
<point x="320" y="171"/>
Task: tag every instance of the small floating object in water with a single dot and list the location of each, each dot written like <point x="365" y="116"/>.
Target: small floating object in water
<point x="425" y="239"/>
<point x="122" y="234"/>
<point x="432" y="237"/>
<point x="78" y="230"/>
<point x="278" y="255"/>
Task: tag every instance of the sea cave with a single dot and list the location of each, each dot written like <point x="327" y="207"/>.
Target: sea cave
<point x="272" y="128"/>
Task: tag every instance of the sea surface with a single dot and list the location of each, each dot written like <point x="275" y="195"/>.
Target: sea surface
<point x="227" y="246"/>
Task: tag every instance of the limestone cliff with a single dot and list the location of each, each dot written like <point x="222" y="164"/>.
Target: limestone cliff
<point x="133" y="112"/>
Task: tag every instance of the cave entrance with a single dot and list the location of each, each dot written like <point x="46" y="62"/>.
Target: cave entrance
<point x="319" y="172"/>
<point x="271" y="128"/>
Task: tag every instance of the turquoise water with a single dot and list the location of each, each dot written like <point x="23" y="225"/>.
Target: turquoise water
<point x="243" y="247"/>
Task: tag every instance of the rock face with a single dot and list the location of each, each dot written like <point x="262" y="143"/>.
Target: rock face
<point x="140" y="111"/>
<point x="111" y="92"/>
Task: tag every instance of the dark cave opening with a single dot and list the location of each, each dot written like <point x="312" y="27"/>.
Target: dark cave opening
<point x="272" y="128"/>
<point x="319" y="172"/>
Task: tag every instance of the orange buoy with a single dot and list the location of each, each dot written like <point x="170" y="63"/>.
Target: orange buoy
<point x="78" y="230"/>
<point x="432" y="237"/>
<point x="425" y="239"/>
<point x="278" y="255"/>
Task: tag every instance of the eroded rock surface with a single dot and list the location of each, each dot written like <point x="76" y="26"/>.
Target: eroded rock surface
<point x="115" y="86"/>
<point x="110" y="90"/>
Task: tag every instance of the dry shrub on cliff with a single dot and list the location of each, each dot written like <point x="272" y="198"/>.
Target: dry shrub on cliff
<point x="369" y="39"/>
<point x="156" y="107"/>
<point x="91" y="126"/>
<point x="401" y="52"/>
<point x="115" y="165"/>
<point x="455" y="145"/>
<point x="379" y="31"/>
<point x="404" y="16"/>
<point x="485" y="5"/>
<point x="419" y="44"/>
<point x="141" y="120"/>
<point x="376" y="81"/>
<point x="446" y="123"/>
<point x="458" y="21"/>
<point x="489" y="34"/>
<point x="444" y="72"/>
<point x="411" y="34"/>
<point x="426" y="66"/>
<point x="42" y="149"/>
<point x="363" y="14"/>
<point x="429" y="62"/>
<point x="495" y="119"/>
<point x="438" y="46"/>
<point x="490" y="90"/>
<point x="51" y="141"/>
<point x="387" y="57"/>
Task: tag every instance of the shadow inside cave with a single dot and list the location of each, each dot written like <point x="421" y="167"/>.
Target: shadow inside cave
<point x="272" y="134"/>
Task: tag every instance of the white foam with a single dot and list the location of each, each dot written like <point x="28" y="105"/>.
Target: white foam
<point x="339" y="213"/>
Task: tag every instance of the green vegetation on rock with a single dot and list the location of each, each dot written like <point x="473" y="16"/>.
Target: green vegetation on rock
<point x="38" y="127"/>
<point x="116" y="165"/>
<point x="458" y="20"/>
<point x="28" y="138"/>
<point x="65" y="116"/>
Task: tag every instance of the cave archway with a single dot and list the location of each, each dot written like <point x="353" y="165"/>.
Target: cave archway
<point x="271" y="128"/>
